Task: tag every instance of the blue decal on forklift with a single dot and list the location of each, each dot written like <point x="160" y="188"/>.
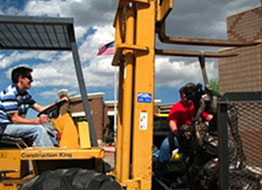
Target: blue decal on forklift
<point x="144" y="97"/>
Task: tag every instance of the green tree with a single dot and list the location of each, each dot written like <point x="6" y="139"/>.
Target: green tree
<point x="214" y="85"/>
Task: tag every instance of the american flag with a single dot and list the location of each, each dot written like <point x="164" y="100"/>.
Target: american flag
<point x="107" y="49"/>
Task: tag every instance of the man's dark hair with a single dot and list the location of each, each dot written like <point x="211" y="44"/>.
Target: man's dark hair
<point x="20" y="71"/>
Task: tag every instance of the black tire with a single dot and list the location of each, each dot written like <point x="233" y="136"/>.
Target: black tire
<point x="71" y="179"/>
<point x="107" y="167"/>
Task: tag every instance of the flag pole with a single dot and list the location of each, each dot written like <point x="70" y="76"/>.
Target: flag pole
<point x="115" y="104"/>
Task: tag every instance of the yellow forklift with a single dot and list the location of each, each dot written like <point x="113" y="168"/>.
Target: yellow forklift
<point x="78" y="148"/>
<point x="78" y="162"/>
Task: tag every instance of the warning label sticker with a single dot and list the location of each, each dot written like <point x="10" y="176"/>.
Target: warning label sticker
<point x="143" y="120"/>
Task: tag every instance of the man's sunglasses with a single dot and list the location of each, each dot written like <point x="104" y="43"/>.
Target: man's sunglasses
<point x="29" y="77"/>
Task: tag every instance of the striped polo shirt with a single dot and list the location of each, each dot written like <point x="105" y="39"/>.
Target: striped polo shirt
<point x="13" y="100"/>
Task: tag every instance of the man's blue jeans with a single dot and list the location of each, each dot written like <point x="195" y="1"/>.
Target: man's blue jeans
<point x="43" y="135"/>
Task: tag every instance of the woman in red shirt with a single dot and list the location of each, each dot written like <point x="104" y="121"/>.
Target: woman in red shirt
<point x="181" y="113"/>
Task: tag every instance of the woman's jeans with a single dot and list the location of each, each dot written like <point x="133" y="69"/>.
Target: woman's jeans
<point x="43" y="135"/>
<point x="165" y="152"/>
<point x="164" y="156"/>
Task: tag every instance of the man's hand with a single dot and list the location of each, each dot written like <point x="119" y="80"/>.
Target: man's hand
<point x="16" y="119"/>
<point x="64" y="98"/>
<point x="43" y="119"/>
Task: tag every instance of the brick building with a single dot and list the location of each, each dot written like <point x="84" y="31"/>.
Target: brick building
<point x="242" y="72"/>
<point x="102" y="112"/>
<point x="96" y="103"/>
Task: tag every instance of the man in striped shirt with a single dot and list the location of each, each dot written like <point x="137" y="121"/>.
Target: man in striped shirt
<point x="14" y="104"/>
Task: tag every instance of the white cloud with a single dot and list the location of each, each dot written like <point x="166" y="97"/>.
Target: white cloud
<point x="59" y="72"/>
<point x="50" y="8"/>
<point x="79" y="32"/>
<point x="100" y="73"/>
<point x="235" y="7"/>
<point x="92" y="43"/>
<point x="85" y="12"/>
<point x="203" y="19"/>
<point x="175" y="73"/>
<point x="7" y="60"/>
<point x="2" y="57"/>
<point x="218" y="27"/>
<point x="50" y="93"/>
<point x="20" y="56"/>
<point x="57" y="69"/>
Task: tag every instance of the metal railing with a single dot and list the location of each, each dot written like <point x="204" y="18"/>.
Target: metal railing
<point x="240" y="140"/>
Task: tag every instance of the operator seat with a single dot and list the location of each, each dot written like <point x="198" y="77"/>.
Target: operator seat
<point x="7" y="141"/>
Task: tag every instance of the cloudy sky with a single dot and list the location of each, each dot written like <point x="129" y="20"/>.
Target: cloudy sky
<point x="93" y="25"/>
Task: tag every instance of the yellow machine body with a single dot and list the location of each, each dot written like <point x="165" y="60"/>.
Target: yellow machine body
<point x="74" y="150"/>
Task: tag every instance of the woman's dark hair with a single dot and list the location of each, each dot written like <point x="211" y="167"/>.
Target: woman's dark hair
<point x="20" y="71"/>
<point x="189" y="90"/>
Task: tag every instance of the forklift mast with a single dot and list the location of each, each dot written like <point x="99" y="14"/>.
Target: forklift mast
<point x="135" y="52"/>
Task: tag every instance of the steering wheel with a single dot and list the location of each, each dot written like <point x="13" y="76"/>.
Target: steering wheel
<point x="52" y="107"/>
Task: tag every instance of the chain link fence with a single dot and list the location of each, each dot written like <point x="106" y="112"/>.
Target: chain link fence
<point x="240" y="141"/>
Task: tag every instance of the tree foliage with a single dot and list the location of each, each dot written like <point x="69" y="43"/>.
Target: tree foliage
<point x="214" y="85"/>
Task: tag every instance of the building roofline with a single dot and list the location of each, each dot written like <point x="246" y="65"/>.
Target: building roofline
<point x="112" y="102"/>
<point x="89" y="95"/>
<point x="167" y="104"/>
<point x="240" y="12"/>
